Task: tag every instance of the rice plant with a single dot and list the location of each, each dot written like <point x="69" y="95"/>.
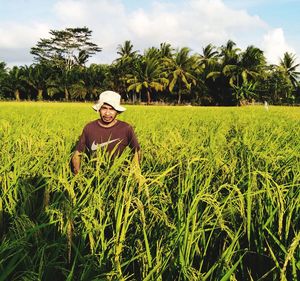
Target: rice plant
<point x="216" y="196"/>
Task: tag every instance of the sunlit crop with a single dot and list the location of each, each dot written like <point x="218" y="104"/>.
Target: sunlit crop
<point x="216" y="197"/>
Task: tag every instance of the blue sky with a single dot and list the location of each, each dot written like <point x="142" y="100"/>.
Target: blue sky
<point x="268" y="24"/>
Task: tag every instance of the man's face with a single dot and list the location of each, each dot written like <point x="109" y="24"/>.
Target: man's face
<point x="107" y="113"/>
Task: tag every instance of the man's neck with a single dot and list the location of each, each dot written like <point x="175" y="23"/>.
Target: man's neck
<point x="107" y="125"/>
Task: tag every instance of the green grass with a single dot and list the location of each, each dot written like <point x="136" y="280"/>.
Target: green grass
<point x="216" y="196"/>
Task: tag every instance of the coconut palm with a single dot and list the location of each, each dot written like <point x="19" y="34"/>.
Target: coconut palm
<point x="122" y="67"/>
<point x="152" y="53"/>
<point x="229" y="53"/>
<point x="249" y="65"/>
<point x="179" y="69"/>
<point x="208" y="61"/>
<point x="227" y="73"/>
<point x="147" y="76"/>
<point x="289" y="67"/>
<point x="275" y="85"/>
<point x="209" y="57"/>
<point x="126" y="50"/>
<point x="166" y="50"/>
<point x="228" y="56"/>
<point x="244" y="74"/>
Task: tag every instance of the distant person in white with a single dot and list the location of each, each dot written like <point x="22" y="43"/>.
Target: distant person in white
<point x="107" y="132"/>
<point x="266" y="106"/>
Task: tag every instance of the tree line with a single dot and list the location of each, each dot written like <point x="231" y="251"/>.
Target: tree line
<point x="224" y="75"/>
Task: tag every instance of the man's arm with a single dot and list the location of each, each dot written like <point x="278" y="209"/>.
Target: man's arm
<point x="76" y="162"/>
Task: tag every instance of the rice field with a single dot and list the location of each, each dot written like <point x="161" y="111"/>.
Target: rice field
<point x="216" y="196"/>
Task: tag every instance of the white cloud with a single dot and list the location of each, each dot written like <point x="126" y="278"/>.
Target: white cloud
<point x="17" y="39"/>
<point x="210" y="21"/>
<point x="71" y="11"/>
<point x="88" y="11"/>
<point x="195" y="24"/>
<point x="191" y="23"/>
<point x="16" y="35"/>
<point x="274" y="45"/>
<point x="106" y="19"/>
<point x="155" y="26"/>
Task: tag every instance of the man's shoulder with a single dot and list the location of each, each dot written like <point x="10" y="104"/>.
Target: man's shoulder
<point x="123" y="124"/>
<point x="91" y="124"/>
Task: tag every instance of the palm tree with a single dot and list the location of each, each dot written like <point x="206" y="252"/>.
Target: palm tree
<point x="3" y="76"/>
<point x="209" y="56"/>
<point x="61" y="82"/>
<point x="229" y="55"/>
<point x="15" y="81"/>
<point x="123" y="66"/>
<point x="166" y="50"/>
<point x="126" y="50"/>
<point x="77" y="88"/>
<point x="94" y="78"/>
<point x="82" y="58"/>
<point x="152" y="53"/>
<point x="37" y="76"/>
<point x="276" y="86"/>
<point x="208" y="62"/>
<point x="289" y="66"/>
<point x="179" y="69"/>
<point x="244" y="74"/>
<point x="147" y="76"/>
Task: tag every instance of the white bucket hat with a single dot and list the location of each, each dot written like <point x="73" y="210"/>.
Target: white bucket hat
<point x="110" y="97"/>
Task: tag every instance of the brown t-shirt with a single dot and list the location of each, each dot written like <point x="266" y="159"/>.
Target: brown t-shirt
<point x="113" y="139"/>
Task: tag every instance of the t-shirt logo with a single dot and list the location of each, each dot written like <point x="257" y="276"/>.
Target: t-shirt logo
<point x="95" y="146"/>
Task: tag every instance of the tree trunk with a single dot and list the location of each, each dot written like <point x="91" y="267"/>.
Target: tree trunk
<point x="179" y="98"/>
<point x="66" y="94"/>
<point x="17" y="95"/>
<point x="134" y="97"/>
<point x="94" y="94"/>
<point x="148" y="97"/>
<point x="40" y="95"/>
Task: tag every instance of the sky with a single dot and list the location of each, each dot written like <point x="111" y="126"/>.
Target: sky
<point x="271" y="25"/>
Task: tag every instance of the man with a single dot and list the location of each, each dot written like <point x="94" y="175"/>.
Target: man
<point x="107" y="132"/>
